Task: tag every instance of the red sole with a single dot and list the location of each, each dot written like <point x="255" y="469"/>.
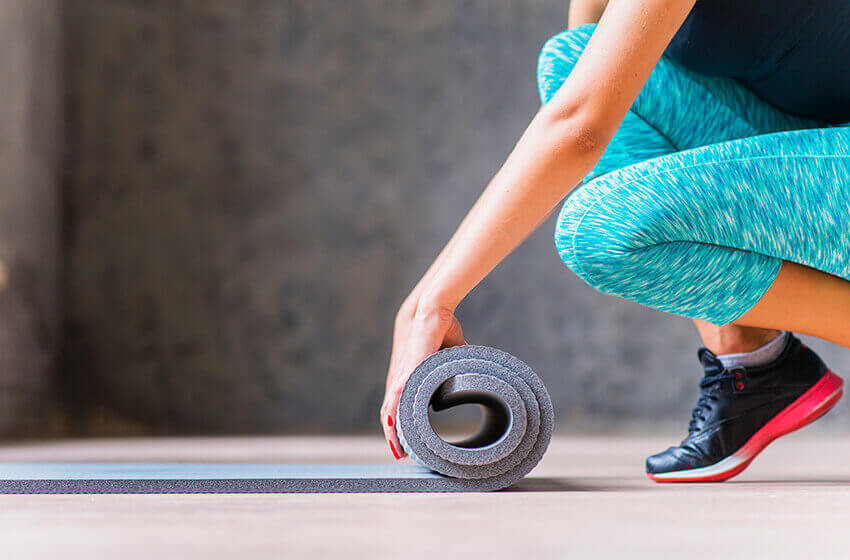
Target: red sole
<point x="810" y="406"/>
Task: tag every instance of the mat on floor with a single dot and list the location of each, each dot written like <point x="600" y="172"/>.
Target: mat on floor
<point x="517" y="427"/>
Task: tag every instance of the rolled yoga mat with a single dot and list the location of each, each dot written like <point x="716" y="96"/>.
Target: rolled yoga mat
<point x="515" y="433"/>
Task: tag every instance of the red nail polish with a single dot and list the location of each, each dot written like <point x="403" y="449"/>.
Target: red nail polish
<point x="396" y="454"/>
<point x="390" y="421"/>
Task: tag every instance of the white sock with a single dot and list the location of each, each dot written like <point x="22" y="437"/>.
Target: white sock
<point x="757" y="357"/>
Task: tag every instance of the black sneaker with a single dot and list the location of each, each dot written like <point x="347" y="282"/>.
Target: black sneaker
<point x="742" y="410"/>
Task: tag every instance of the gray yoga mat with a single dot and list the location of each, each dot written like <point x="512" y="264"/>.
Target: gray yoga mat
<point x="517" y="427"/>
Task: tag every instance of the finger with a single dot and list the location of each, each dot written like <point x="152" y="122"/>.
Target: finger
<point x="395" y="397"/>
<point x="401" y="333"/>
<point x="399" y="343"/>
<point x="424" y="341"/>
<point x="389" y="410"/>
<point x="389" y="421"/>
<point x="387" y="414"/>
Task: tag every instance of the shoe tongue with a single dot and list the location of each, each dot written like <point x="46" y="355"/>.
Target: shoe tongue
<point x="709" y="361"/>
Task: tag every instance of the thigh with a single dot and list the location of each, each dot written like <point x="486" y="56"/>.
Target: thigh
<point x="702" y="232"/>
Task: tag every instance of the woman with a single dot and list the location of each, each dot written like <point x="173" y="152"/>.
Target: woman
<point x="716" y="186"/>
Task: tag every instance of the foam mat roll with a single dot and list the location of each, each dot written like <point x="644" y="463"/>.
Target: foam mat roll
<point x="518" y="420"/>
<point x="514" y="435"/>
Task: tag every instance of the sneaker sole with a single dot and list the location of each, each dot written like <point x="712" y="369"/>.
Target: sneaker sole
<point x="810" y="406"/>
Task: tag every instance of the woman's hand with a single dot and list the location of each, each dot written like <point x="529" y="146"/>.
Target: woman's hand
<point x="420" y="330"/>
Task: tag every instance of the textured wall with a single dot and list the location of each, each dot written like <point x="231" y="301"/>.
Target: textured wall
<point x="29" y="219"/>
<point x="253" y="186"/>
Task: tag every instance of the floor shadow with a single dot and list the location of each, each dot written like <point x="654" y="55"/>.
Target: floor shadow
<point x="559" y="484"/>
<point x="795" y="481"/>
<point x="564" y="484"/>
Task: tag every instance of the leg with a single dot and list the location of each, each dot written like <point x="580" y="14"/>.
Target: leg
<point x="662" y="233"/>
<point x="702" y="233"/>
<point x="661" y="122"/>
<point x="805" y="300"/>
<point x="733" y="339"/>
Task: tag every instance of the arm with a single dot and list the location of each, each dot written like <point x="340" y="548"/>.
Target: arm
<point x="586" y="11"/>
<point x="561" y="145"/>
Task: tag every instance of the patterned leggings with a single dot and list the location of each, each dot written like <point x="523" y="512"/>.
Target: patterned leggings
<point x="702" y="193"/>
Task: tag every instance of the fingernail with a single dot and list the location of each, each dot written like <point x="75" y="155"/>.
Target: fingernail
<point x="396" y="454"/>
<point x="390" y="421"/>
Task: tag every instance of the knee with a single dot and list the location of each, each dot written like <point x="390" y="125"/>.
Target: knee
<point x="570" y="227"/>
<point x="558" y="57"/>
<point x="598" y="238"/>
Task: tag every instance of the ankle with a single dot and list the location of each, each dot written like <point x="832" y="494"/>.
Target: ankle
<point x="738" y="340"/>
<point x="762" y="356"/>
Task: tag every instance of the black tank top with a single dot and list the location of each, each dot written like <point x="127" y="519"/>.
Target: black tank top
<point x="795" y="54"/>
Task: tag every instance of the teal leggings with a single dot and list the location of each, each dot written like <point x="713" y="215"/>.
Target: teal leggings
<point x="702" y="193"/>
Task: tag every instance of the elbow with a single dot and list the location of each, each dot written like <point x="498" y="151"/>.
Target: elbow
<point x="581" y="127"/>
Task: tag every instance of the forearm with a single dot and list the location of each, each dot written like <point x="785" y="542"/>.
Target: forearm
<point x="551" y="157"/>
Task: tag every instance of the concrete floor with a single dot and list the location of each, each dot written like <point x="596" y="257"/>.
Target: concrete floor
<point x="588" y="497"/>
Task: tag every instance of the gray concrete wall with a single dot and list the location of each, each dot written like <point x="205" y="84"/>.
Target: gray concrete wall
<point x="254" y="186"/>
<point x="29" y="215"/>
